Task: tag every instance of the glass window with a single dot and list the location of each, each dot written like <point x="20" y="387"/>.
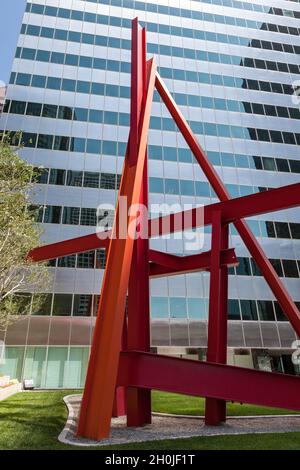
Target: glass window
<point x="279" y="312"/>
<point x="18" y="107"/>
<point x="67" y="261"/>
<point x="77" y="145"/>
<point x="53" y="83"/>
<point x="202" y="189"/>
<point x="171" y="186"/>
<point x="93" y="146"/>
<point x="23" y="79"/>
<point x="290" y="268"/>
<point x="96" y="116"/>
<point x="74" y="178"/>
<point x="71" y="215"/>
<point x="43" y="56"/>
<point x="178" y="308"/>
<point x="156" y="185"/>
<point x="248" y="309"/>
<point x="52" y="214"/>
<point x="108" y="181"/>
<point x="65" y="112"/>
<point x="197" y="308"/>
<point x="243" y="268"/>
<point x="234" y="309"/>
<point x="276" y="263"/>
<point x="187" y="188"/>
<point x="41" y="304"/>
<point x="83" y="305"/>
<point x="38" y="81"/>
<point x="295" y="230"/>
<point x="109" y="148"/>
<point x="159" y="307"/>
<point x="61" y="143"/>
<point x="266" y="310"/>
<point x="45" y="141"/>
<point x="91" y="179"/>
<point x="49" y="111"/>
<point x="88" y="216"/>
<point x="86" y="260"/>
<point x="68" y="85"/>
<point x="62" y="304"/>
<point x="57" y="176"/>
<point x="282" y="230"/>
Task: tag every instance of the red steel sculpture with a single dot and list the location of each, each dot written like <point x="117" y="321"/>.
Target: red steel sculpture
<point x="122" y="371"/>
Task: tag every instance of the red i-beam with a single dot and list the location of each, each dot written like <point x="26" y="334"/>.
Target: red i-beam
<point x="129" y="266"/>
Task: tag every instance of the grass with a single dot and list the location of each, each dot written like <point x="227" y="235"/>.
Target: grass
<point x="33" y="420"/>
<point x="181" y="404"/>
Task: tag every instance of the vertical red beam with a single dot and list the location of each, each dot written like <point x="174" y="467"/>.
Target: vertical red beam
<point x="215" y="410"/>
<point x="138" y="338"/>
<point x="119" y="406"/>
<point x="98" y="397"/>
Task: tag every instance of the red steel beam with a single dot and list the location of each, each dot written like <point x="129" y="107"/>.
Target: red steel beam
<point x="233" y="209"/>
<point x="97" y="401"/>
<point x="204" y="379"/>
<point x="138" y="335"/>
<point x="269" y="273"/>
<point x="174" y="265"/>
<point x="215" y="410"/>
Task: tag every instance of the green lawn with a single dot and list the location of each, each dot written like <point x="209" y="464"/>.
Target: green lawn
<point x="33" y="420"/>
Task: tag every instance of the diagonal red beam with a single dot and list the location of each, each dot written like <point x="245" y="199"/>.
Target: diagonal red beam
<point x="269" y="273"/>
<point x="205" y="379"/>
<point x="68" y="247"/>
<point x="187" y="264"/>
<point x="232" y="209"/>
<point x="97" y="401"/>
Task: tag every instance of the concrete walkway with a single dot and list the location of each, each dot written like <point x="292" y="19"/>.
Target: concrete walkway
<point x="172" y="427"/>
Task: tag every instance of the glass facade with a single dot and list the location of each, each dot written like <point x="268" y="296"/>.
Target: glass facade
<point x="231" y="67"/>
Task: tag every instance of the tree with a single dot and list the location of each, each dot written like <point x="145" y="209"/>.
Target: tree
<point x="19" y="233"/>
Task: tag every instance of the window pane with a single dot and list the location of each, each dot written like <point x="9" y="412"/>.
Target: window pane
<point x="74" y="178"/>
<point x="88" y="216"/>
<point x="57" y="177"/>
<point x="198" y="309"/>
<point x="159" y="307"/>
<point x="265" y="310"/>
<point x="178" y="307"/>
<point x="71" y="215"/>
<point x="249" y="309"/>
<point x="233" y="310"/>
<point x="52" y="214"/>
<point x="91" y="179"/>
<point x="62" y="304"/>
<point x="82" y="305"/>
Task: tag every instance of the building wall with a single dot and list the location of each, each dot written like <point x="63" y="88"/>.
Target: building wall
<point x="230" y="66"/>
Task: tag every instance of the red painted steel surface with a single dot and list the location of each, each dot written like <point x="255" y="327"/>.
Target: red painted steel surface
<point x="188" y="264"/>
<point x="204" y="379"/>
<point x="138" y="336"/>
<point x="97" y="402"/>
<point x="285" y="197"/>
<point x="215" y="410"/>
<point x="277" y="287"/>
<point x="130" y="264"/>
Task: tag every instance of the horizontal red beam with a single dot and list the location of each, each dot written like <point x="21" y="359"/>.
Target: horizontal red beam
<point x="205" y="379"/>
<point x="170" y="265"/>
<point x="68" y="247"/>
<point x="232" y="210"/>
